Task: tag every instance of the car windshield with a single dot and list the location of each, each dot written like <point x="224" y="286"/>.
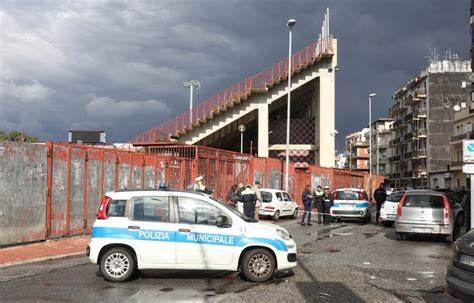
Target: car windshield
<point x="266" y="196"/>
<point x="395" y="197"/>
<point x="347" y="195"/>
<point x="235" y="211"/>
<point x="424" y="201"/>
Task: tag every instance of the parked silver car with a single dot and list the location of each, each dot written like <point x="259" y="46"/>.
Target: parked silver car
<point x="424" y="212"/>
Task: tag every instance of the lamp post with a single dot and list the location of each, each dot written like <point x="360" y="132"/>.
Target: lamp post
<point x="370" y="142"/>
<point x="241" y="130"/>
<point x="191" y="84"/>
<point x="290" y="24"/>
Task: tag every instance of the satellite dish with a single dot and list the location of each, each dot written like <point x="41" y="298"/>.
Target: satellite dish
<point x="457" y="108"/>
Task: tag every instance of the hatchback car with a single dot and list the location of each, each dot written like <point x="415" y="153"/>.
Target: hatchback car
<point x="184" y="230"/>
<point x="276" y="203"/>
<point x="350" y="203"/>
<point x="424" y="212"/>
<point x="460" y="275"/>
<point x="388" y="211"/>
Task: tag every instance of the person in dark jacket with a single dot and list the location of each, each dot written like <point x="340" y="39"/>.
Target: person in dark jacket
<point x="232" y="195"/>
<point x="318" y="201"/>
<point x="327" y="204"/>
<point x="380" y="195"/>
<point x="466" y="205"/>
<point x="307" y="203"/>
<point x="248" y="198"/>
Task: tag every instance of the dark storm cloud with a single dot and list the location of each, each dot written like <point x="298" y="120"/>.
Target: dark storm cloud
<point x="118" y="66"/>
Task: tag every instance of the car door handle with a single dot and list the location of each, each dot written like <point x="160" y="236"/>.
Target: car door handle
<point x="184" y="230"/>
<point x="134" y="227"/>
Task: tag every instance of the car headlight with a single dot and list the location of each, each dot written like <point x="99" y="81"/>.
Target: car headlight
<point x="283" y="234"/>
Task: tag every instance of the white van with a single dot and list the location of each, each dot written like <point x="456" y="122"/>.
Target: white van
<point x="184" y="230"/>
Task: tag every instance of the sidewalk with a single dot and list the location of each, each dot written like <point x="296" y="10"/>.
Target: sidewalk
<point x="50" y="249"/>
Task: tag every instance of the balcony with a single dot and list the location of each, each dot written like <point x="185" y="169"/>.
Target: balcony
<point x="420" y="93"/>
<point x="397" y="108"/>
<point x="419" y="114"/>
<point x="420" y="173"/>
<point x="397" y="123"/>
<point x="459" y="138"/>
<point x="396" y="141"/>
<point x="407" y="137"/>
<point x="394" y="158"/>
<point x="421" y="133"/>
<point x="420" y="153"/>
<point x="408" y="117"/>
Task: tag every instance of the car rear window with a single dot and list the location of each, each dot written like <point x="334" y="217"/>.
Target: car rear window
<point x="266" y="196"/>
<point x="346" y="195"/>
<point x="424" y="201"/>
<point x="116" y="208"/>
<point x="395" y="197"/>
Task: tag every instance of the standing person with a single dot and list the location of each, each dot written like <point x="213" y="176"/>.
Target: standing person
<point x="199" y="184"/>
<point x="380" y="195"/>
<point x="258" y="203"/>
<point x="232" y="195"/>
<point x="248" y="198"/>
<point x="328" y="202"/>
<point x="319" y="200"/>
<point x="466" y="205"/>
<point x="307" y="203"/>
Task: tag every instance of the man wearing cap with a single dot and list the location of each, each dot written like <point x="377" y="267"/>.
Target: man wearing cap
<point x="248" y="198"/>
<point x="258" y="203"/>
<point x="328" y="201"/>
<point x="199" y="185"/>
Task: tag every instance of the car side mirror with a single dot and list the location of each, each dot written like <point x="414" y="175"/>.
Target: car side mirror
<point x="222" y="221"/>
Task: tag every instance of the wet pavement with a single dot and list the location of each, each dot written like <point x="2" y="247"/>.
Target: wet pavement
<point x="344" y="262"/>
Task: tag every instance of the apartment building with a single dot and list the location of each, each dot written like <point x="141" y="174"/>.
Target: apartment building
<point x="357" y="147"/>
<point x="381" y="134"/>
<point x="463" y="122"/>
<point x="423" y="114"/>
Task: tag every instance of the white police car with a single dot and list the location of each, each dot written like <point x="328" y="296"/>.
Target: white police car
<point x="184" y="230"/>
<point x="350" y="203"/>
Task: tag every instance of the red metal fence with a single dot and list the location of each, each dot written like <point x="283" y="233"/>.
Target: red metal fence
<point x="240" y="91"/>
<point x="54" y="190"/>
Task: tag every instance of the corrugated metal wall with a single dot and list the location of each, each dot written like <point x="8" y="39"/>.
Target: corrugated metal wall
<point x="53" y="190"/>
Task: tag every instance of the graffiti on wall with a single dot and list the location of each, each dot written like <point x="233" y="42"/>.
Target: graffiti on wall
<point x="258" y="176"/>
<point x="321" y="179"/>
<point x="274" y="179"/>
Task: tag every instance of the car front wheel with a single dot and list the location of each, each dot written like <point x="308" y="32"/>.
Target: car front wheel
<point x="117" y="265"/>
<point x="295" y="213"/>
<point x="258" y="265"/>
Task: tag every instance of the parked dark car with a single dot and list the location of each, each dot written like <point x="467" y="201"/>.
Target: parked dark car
<point x="460" y="276"/>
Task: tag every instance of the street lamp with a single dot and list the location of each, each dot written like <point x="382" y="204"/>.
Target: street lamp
<point x="191" y="84"/>
<point x="290" y="24"/>
<point x="370" y="142"/>
<point x="241" y="130"/>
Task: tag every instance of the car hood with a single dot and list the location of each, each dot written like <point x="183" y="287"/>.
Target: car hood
<point x="465" y="243"/>
<point x="266" y="226"/>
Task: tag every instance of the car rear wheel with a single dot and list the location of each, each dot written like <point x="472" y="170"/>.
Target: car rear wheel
<point x="276" y="216"/>
<point x="258" y="265"/>
<point x="387" y="223"/>
<point x="117" y="265"/>
<point x="450" y="238"/>
<point x="295" y="213"/>
<point x="399" y="236"/>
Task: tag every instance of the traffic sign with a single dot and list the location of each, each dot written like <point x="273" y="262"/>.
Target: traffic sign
<point x="468" y="151"/>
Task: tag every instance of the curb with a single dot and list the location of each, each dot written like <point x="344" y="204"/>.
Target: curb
<point x="52" y="257"/>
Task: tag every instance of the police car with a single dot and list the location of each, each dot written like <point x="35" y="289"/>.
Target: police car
<point x="350" y="203"/>
<point x="184" y="230"/>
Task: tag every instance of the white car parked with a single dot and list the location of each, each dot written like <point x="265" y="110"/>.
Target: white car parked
<point x="184" y="230"/>
<point x="388" y="212"/>
<point x="276" y="203"/>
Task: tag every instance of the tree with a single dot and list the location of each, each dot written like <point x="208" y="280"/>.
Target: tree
<point x="17" y="136"/>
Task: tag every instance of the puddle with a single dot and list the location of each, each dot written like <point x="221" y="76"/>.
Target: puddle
<point x="439" y="257"/>
<point x="370" y="235"/>
<point x="334" y="250"/>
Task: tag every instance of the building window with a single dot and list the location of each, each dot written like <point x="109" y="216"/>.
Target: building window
<point x="435" y="182"/>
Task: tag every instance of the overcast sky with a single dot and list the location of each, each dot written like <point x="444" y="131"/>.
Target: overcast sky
<point x="118" y="66"/>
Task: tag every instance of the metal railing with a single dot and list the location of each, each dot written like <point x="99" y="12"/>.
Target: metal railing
<point x="234" y="94"/>
<point x="419" y="153"/>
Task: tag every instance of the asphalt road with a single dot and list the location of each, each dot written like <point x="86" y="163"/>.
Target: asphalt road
<point x="346" y="262"/>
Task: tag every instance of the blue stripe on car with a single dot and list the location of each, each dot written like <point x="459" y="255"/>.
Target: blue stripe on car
<point x="172" y="236"/>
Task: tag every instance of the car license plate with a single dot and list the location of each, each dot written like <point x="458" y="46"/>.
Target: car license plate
<point x="465" y="259"/>
<point x="391" y="216"/>
<point x="421" y="230"/>
<point x="347" y="205"/>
